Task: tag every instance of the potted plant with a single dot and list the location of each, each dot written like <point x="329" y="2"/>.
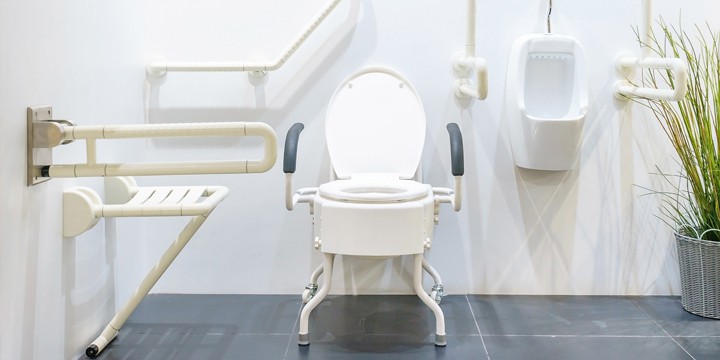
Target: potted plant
<point x="692" y="125"/>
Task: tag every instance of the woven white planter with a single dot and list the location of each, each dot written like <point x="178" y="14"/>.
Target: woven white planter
<point x="699" y="275"/>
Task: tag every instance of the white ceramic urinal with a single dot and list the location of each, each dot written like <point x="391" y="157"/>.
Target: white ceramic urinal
<point x="546" y="99"/>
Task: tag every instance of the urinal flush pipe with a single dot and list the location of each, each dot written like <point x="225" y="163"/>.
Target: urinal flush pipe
<point x="549" y="28"/>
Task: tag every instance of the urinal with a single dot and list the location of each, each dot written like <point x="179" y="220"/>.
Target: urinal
<point x="546" y="99"/>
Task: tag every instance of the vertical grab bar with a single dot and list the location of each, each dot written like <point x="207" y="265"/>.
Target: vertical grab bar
<point x="468" y="62"/>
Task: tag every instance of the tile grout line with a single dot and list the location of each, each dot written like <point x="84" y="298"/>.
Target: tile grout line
<point x="477" y="326"/>
<point x="584" y="336"/>
<point x="292" y="331"/>
<point x="662" y="328"/>
<point x="697" y="336"/>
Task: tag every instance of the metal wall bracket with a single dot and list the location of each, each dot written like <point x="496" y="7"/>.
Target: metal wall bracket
<point x="43" y="134"/>
<point x="36" y="157"/>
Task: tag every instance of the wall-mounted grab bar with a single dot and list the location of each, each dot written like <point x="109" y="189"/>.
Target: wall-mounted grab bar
<point x="624" y="89"/>
<point x="465" y="64"/>
<point x="49" y="133"/>
<point x="626" y="64"/>
<point x="160" y="67"/>
<point x="463" y="87"/>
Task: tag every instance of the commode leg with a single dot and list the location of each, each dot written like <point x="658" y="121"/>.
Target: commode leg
<point x="316" y="274"/>
<point x="430" y="302"/>
<point x="312" y="287"/>
<point x="431" y="270"/>
<point x="437" y="292"/>
<point x="303" y="336"/>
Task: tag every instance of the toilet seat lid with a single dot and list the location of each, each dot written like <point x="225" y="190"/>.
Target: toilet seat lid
<point x="368" y="191"/>
<point x="375" y="123"/>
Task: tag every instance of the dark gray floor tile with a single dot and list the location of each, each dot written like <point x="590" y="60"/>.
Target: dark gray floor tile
<point x="131" y="346"/>
<point x="670" y="315"/>
<point x="234" y="314"/>
<point x="561" y="315"/>
<point x="402" y="327"/>
<point x="342" y="317"/>
<point x="585" y="348"/>
<point x="391" y="347"/>
<point x="701" y="348"/>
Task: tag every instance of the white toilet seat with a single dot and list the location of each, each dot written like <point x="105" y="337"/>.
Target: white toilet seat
<point x="368" y="191"/>
<point x="375" y="123"/>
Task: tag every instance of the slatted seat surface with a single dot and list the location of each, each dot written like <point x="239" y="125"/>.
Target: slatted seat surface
<point x="168" y="201"/>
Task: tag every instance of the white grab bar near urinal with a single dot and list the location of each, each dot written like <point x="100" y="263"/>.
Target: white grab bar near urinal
<point x="49" y="133"/>
<point x="626" y="64"/>
<point x="159" y="68"/>
<point x="624" y="89"/>
<point x="465" y="64"/>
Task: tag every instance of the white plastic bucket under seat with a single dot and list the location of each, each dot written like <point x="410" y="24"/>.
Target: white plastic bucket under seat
<point x="375" y="132"/>
<point x="546" y="98"/>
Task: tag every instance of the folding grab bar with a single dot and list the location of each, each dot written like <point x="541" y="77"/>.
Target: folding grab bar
<point x="49" y="133"/>
<point x="679" y="72"/>
<point x="159" y="68"/>
<point x="626" y="64"/>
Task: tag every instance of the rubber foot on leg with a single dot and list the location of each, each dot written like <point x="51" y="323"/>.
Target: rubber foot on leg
<point x="303" y="339"/>
<point x="440" y="340"/>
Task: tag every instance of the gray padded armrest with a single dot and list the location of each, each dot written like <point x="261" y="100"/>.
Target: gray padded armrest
<point x="291" y="145"/>
<point x="456" y="150"/>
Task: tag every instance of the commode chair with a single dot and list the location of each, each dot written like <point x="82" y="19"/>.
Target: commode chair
<point x="374" y="207"/>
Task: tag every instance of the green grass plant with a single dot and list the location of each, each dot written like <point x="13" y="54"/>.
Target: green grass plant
<point x="692" y="126"/>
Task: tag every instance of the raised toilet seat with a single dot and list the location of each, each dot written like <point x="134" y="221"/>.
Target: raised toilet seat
<point x="374" y="190"/>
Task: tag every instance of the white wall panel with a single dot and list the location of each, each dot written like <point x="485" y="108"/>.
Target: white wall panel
<point x="585" y="231"/>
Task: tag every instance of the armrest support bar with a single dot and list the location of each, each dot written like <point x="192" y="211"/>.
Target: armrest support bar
<point x="457" y="167"/>
<point x="289" y="165"/>
<point x="456" y="149"/>
<point x="291" y="145"/>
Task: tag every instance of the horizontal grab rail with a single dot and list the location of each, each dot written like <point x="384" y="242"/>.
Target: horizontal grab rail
<point x="91" y="133"/>
<point x="675" y="65"/>
<point x="159" y="68"/>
